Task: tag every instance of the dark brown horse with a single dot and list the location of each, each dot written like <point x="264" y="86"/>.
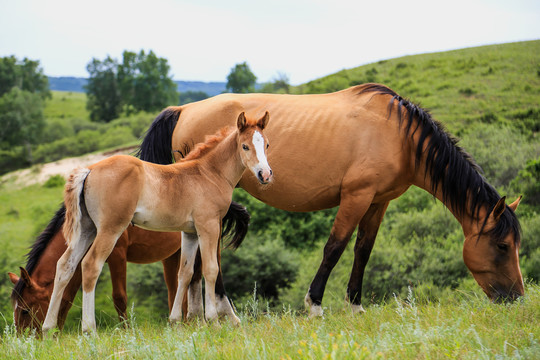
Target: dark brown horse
<point x="358" y="149"/>
<point x="31" y="294"/>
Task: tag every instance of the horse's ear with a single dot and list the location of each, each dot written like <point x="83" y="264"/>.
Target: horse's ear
<point x="263" y="121"/>
<point x="499" y="208"/>
<point x="26" y="277"/>
<point x="515" y="204"/>
<point x="13" y="277"/>
<point x="241" y="122"/>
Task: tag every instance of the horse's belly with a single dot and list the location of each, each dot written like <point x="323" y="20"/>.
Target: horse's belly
<point x="151" y="220"/>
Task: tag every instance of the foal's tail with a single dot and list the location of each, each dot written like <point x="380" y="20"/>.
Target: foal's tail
<point x="72" y="202"/>
<point x="156" y="146"/>
<point x="237" y="217"/>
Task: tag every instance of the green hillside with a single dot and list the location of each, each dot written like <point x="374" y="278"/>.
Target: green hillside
<point x="489" y="84"/>
<point x="487" y="96"/>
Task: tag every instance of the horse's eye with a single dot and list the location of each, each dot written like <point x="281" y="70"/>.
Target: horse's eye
<point x="267" y="145"/>
<point x="502" y="246"/>
<point x="245" y="147"/>
<point x="25" y="312"/>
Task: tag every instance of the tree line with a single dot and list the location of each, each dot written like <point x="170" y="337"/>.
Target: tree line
<point x="138" y="83"/>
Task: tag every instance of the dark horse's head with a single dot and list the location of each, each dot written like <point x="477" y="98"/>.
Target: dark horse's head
<point x="491" y="254"/>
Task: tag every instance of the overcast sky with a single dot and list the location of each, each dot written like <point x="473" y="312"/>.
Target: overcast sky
<point x="304" y="39"/>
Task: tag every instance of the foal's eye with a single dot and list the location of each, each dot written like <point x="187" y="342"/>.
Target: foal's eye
<point x="245" y="147"/>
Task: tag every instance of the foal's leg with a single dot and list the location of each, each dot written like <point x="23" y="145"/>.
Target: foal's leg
<point x="367" y="232"/>
<point x="92" y="265"/>
<point x="208" y="243"/>
<point x="224" y="307"/>
<point x="187" y="260"/>
<point x="351" y="209"/>
<point x="65" y="268"/>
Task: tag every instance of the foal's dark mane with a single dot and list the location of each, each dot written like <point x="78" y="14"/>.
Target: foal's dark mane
<point x="38" y="247"/>
<point x="448" y="166"/>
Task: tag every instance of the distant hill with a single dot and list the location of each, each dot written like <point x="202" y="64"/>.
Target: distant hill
<point x="76" y="84"/>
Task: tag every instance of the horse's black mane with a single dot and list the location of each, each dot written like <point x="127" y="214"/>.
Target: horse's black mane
<point x="39" y="246"/>
<point x="447" y="164"/>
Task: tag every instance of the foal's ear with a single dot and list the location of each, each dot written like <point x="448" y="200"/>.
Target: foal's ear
<point x="13" y="277"/>
<point x="262" y="122"/>
<point x="241" y="122"/>
<point x="26" y="277"/>
<point x="499" y="208"/>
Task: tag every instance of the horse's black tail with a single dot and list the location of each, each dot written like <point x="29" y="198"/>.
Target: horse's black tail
<point x="236" y="220"/>
<point x="156" y="146"/>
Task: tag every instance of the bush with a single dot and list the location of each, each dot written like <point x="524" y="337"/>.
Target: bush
<point x="264" y="263"/>
<point x="55" y="181"/>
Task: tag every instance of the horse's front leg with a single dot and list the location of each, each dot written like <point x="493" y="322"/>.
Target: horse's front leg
<point x="185" y="273"/>
<point x="208" y="243"/>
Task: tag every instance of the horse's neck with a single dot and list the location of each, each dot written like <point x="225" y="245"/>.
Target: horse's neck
<point x="225" y="160"/>
<point x="467" y="219"/>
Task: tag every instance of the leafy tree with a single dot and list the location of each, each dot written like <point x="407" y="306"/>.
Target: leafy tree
<point x="140" y="83"/>
<point x="104" y="100"/>
<point x="21" y="119"/>
<point x="145" y="84"/>
<point x="25" y="75"/>
<point x="241" y="79"/>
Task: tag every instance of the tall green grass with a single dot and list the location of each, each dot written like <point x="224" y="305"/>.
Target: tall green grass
<point x="465" y="327"/>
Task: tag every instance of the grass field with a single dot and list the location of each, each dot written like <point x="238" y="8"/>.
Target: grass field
<point x="488" y="96"/>
<point x="468" y="327"/>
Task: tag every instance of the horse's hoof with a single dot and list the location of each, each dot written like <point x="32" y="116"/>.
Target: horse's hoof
<point x="357" y="309"/>
<point x="314" y="310"/>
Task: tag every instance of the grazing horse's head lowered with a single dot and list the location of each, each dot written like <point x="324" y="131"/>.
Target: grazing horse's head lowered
<point x="492" y="254"/>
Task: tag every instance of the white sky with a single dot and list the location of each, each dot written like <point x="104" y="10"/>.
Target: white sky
<point x="304" y="39"/>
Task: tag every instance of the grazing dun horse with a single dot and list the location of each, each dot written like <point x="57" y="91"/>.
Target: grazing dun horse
<point x="191" y="196"/>
<point x="358" y="149"/>
<point x="33" y="289"/>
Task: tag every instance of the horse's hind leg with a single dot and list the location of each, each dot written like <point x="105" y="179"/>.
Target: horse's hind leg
<point x="195" y="300"/>
<point x="65" y="268"/>
<point x="367" y="232"/>
<point x="118" y="268"/>
<point x="171" y="265"/>
<point x="351" y="210"/>
<point x="92" y="265"/>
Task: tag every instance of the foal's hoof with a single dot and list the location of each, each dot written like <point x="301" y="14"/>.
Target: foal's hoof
<point x="314" y="310"/>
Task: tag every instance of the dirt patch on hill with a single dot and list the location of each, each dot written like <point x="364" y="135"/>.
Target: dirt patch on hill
<point x="39" y="174"/>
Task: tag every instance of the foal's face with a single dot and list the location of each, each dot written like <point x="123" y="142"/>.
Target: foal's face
<point x="253" y="146"/>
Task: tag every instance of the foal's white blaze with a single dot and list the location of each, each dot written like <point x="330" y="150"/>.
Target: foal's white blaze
<point x="258" y="143"/>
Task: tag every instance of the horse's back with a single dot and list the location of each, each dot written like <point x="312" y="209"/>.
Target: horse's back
<point x="316" y="141"/>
